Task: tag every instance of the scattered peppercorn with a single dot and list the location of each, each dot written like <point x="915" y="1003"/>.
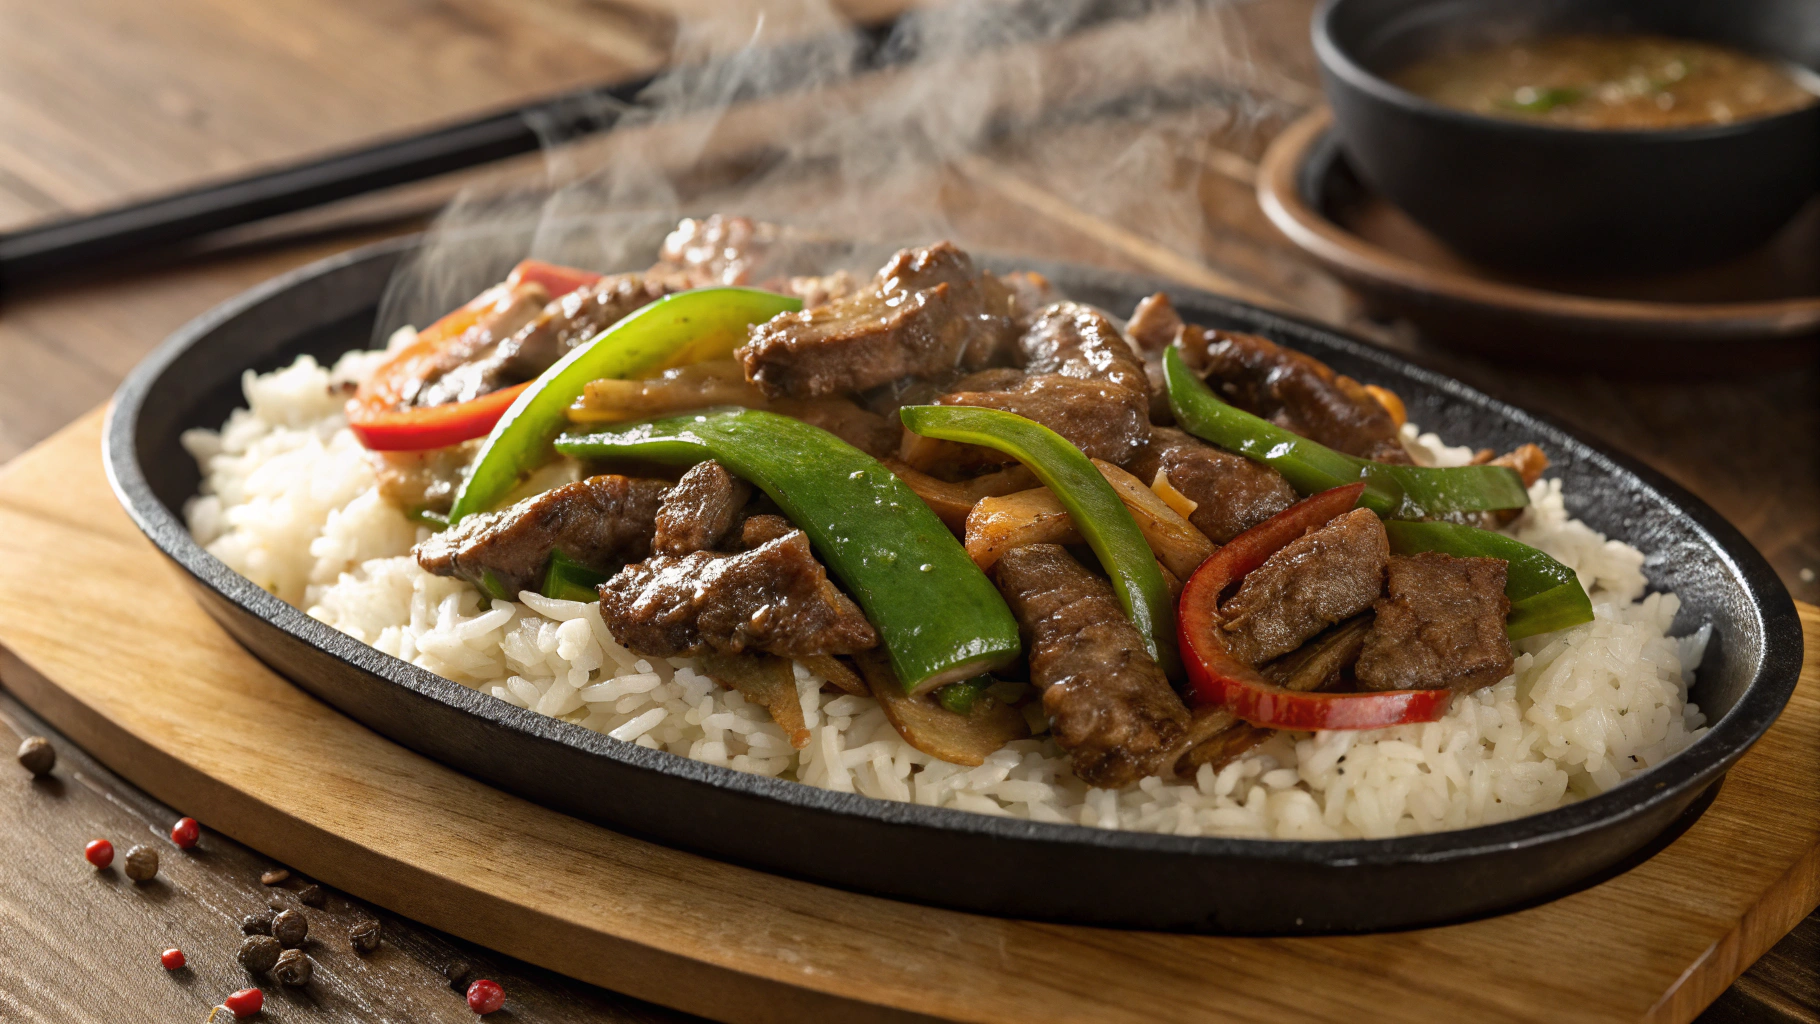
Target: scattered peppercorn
<point x="257" y="924"/>
<point x="37" y="755"/>
<point x="485" y="996"/>
<point x="293" y="968"/>
<point x="172" y="959"/>
<point x="185" y="833"/>
<point x="259" y="953"/>
<point x="460" y="974"/>
<point x="289" y="928"/>
<point x="141" y="863"/>
<point x="244" y="1002"/>
<point x="274" y="876"/>
<point x="99" y="852"/>
<point x="364" y="935"/>
<point x="312" y="895"/>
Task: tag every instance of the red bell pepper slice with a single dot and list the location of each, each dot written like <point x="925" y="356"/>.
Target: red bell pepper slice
<point x="557" y="280"/>
<point x="1216" y="677"/>
<point x="376" y="413"/>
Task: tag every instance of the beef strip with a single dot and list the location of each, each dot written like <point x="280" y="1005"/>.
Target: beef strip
<point x="537" y="342"/>
<point x="452" y="376"/>
<point x="1080" y="379"/>
<point x="1078" y="341"/>
<point x="1152" y="328"/>
<point x="775" y="598"/>
<point x="1153" y="324"/>
<point x="759" y="530"/>
<point x="704" y="509"/>
<point x="601" y="522"/>
<point x="1100" y="419"/>
<point x="718" y="250"/>
<point x="871" y="433"/>
<point x="927" y="312"/>
<point x="1031" y="293"/>
<point x="1440" y="624"/>
<point x="1294" y="391"/>
<point x="576" y="317"/>
<point x="1231" y="493"/>
<point x="1108" y="703"/>
<point x="820" y="289"/>
<point x="1318" y="579"/>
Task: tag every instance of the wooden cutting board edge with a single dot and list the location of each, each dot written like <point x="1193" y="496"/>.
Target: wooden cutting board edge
<point x="817" y="954"/>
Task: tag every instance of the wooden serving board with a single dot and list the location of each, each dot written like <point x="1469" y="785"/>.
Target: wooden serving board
<point x="101" y="637"/>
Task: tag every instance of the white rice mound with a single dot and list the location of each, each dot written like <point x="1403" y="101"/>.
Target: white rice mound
<point x="289" y="500"/>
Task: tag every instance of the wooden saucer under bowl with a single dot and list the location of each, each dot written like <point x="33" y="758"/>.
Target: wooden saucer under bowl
<point x="1730" y="316"/>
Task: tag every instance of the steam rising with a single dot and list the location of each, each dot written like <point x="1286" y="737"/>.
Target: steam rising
<point x="1107" y="102"/>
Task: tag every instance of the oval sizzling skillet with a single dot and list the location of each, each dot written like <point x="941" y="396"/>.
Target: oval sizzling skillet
<point x="953" y="858"/>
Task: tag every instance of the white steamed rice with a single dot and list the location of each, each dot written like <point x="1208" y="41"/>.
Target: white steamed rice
<point x="289" y="500"/>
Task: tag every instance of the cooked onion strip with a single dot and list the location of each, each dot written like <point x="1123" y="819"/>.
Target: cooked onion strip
<point x="967" y="739"/>
<point x="1178" y="545"/>
<point x="996" y="525"/>
<point x="836" y="673"/>
<point x="694" y="386"/>
<point x="765" y="680"/>
<point x="1184" y="505"/>
<point x="1035" y="516"/>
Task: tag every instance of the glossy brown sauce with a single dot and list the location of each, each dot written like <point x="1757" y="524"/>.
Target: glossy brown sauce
<point x="1611" y="82"/>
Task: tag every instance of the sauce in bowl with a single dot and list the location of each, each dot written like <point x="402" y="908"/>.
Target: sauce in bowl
<point x="1611" y="82"/>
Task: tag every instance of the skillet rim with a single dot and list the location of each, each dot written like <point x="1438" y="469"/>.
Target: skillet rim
<point x="1778" y="625"/>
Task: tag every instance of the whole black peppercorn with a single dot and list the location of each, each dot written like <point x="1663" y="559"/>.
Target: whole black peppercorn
<point x="257" y="924"/>
<point x="312" y="895"/>
<point x="141" y="863"/>
<point x="37" y="755"/>
<point x="364" y="935"/>
<point x="289" y="928"/>
<point x="293" y="968"/>
<point x="461" y="974"/>
<point x="259" y="953"/>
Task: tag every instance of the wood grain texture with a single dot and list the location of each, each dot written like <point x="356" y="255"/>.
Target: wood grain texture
<point x="52" y="908"/>
<point x="1656" y="943"/>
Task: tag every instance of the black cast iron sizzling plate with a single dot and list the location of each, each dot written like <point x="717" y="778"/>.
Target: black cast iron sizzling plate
<point x="947" y="857"/>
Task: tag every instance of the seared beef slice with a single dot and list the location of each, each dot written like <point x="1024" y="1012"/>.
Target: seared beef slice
<point x="1098" y="418"/>
<point x="928" y="312"/>
<point x="1325" y="576"/>
<point x="1108" y="703"/>
<point x="1294" y="391"/>
<point x="601" y="522"/>
<point x="1083" y="382"/>
<point x="1441" y="623"/>
<point x="701" y="511"/>
<point x="775" y="598"/>
<point x="1231" y="493"/>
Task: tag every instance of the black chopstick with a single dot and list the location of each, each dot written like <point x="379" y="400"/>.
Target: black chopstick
<point x="86" y="241"/>
<point x="65" y="244"/>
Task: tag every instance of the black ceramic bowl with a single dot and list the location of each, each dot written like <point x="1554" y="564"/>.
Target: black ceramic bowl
<point x="1535" y="197"/>
<point x="952" y="858"/>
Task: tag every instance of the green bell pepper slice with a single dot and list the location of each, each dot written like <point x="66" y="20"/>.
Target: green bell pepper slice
<point x="1393" y="492"/>
<point x="1544" y="594"/>
<point x="959" y="697"/>
<point x="940" y="619"/>
<point x="567" y="580"/>
<point x="686" y="327"/>
<point x="1097" y="511"/>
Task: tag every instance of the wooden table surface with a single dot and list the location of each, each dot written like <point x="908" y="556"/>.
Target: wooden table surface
<point x="102" y="100"/>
